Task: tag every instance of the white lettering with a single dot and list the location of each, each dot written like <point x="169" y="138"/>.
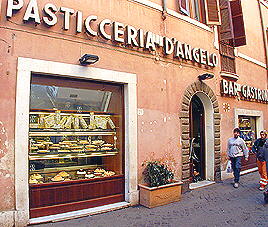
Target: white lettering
<point x="117" y="32"/>
<point x="179" y="50"/>
<point x="266" y="96"/>
<point x="159" y="40"/>
<point x="187" y="51"/>
<point x="244" y="91"/>
<point x="252" y="92"/>
<point x="225" y="87"/>
<point x="248" y="92"/>
<point x="209" y="62"/>
<point x="88" y="20"/>
<point x="203" y="55"/>
<point x="214" y="59"/>
<point x="259" y="94"/>
<point x="231" y="89"/>
<point x="235" y="89"/>
<point x="50" y="10"/>
<point x="32" y="12"/>
<point x="67" y="13"/>
<point x="141" y="38"/>
<point x="11" y="6"/>
<point x="132" y="34"/>
<point x="263" y="95"/>
<point x="168" y="47"/>
<point x="150" y="41"/>
<point x="102" y="26"/>
<point x="196" y="55"/>
<point x="79" y="21"/>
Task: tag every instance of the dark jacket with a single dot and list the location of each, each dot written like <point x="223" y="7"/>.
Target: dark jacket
<point x="260" y="148"/>
<point x="266" y="154"/>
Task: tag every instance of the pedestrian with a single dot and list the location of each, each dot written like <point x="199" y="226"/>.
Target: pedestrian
<point x="236" y="149"/>
<point x="261" y="152"/>
<point x="266" y="158"/>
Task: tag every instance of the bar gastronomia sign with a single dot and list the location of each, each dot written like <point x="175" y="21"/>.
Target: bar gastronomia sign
<point x="247" y="92"/>
<point x="120" y="33"/>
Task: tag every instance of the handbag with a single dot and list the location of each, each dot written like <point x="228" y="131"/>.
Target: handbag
<point x="229" y="168"/>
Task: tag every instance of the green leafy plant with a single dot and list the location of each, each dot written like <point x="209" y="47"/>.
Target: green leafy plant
<point x="156" y="174"/>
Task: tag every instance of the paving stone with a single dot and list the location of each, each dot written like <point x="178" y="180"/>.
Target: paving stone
<point x="217" y="205"/>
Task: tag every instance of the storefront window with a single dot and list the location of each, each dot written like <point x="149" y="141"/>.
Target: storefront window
<point x="75" y="142"/>
<point x="247" y="125"/>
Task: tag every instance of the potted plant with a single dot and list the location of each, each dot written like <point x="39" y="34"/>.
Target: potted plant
<point x="160" y="187"/>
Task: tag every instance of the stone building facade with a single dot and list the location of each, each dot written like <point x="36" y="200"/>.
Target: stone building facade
<point x="187" y="72"/>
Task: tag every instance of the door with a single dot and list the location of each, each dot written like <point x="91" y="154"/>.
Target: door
<point x="197" y="140"/>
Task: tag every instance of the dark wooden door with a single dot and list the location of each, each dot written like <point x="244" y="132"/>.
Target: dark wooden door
<point x="197" y="139"/>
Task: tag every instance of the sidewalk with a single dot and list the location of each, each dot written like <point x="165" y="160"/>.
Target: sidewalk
<point x="217" y="205"/>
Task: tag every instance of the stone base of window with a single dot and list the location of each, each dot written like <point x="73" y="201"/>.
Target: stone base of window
<point x="229" y="75"/>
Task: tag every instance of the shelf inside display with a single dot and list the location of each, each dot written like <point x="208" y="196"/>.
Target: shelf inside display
<point x="66" y="168"/>
<point x="70" y="155"/>
<point x="68" y="112"/>
<point x="71" y="174"/>
<point x="71" y="133"/>
<point x="79" y="181"/>
<point x="59" y="121"/>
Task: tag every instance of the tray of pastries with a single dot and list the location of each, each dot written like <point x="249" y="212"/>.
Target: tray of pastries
<point x="64" y="174"/>
<point x="36" y="179"/>
<point x="57" y="178"/>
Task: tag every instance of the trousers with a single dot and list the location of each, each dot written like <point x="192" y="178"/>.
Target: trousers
<point x="236" y="166"/>
<point x="263" y="173"/>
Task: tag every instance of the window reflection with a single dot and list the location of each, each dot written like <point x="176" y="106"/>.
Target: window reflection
<point x="66" y="98"/>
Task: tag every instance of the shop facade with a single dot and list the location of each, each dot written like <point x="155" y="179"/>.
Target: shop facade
<point x="75" y="135"/>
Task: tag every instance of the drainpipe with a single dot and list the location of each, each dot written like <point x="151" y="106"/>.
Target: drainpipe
<point x="264" y="38"/>
<point x="164" y="12"/>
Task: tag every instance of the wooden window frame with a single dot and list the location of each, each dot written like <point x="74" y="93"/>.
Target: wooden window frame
<point x="232" y="29"/>
<point x="227" y="56"/>
<point x="203" y="7"/>
<point x="201" y="10"/>
<point x="210" y="10"/>
<point x="185" y="10"/>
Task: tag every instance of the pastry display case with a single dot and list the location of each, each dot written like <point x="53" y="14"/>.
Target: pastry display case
<point x="75" y="145"/>
<point x="66" y="146"/>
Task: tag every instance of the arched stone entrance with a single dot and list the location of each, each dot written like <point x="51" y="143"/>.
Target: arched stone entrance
<point x="212" y="119"/>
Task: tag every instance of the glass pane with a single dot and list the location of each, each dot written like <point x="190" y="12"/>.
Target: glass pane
<point x="196" y="10"/>
<point x="65" y="98"/>
<point x="76" y="130"/>
<point x="247" y="125"/>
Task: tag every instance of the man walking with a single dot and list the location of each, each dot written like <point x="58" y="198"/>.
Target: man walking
<point x="236" y="149"/>
<point x="261" y="153"/>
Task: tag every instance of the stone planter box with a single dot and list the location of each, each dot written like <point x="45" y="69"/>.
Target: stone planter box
<point x="157" y="196"/>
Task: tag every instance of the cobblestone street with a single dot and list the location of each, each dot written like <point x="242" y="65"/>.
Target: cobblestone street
<point x="216" y="205"/>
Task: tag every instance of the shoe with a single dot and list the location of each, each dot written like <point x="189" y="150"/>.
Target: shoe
<point x="236" y="185"/>
<point x="261" y="188"/>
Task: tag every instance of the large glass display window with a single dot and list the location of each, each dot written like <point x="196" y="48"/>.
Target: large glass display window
<point x="247" y="126"/>
<point x="76" y="144"/>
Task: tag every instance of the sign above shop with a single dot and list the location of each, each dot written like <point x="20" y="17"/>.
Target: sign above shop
<point x="120" y="33"/>
<point x="246" y="92"/>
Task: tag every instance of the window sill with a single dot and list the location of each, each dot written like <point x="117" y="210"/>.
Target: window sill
<point x="229" y="75"/>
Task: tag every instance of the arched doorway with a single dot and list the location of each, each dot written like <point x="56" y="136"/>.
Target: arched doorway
<point x="211" y="133"/>
<point x="197" y="140"/>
